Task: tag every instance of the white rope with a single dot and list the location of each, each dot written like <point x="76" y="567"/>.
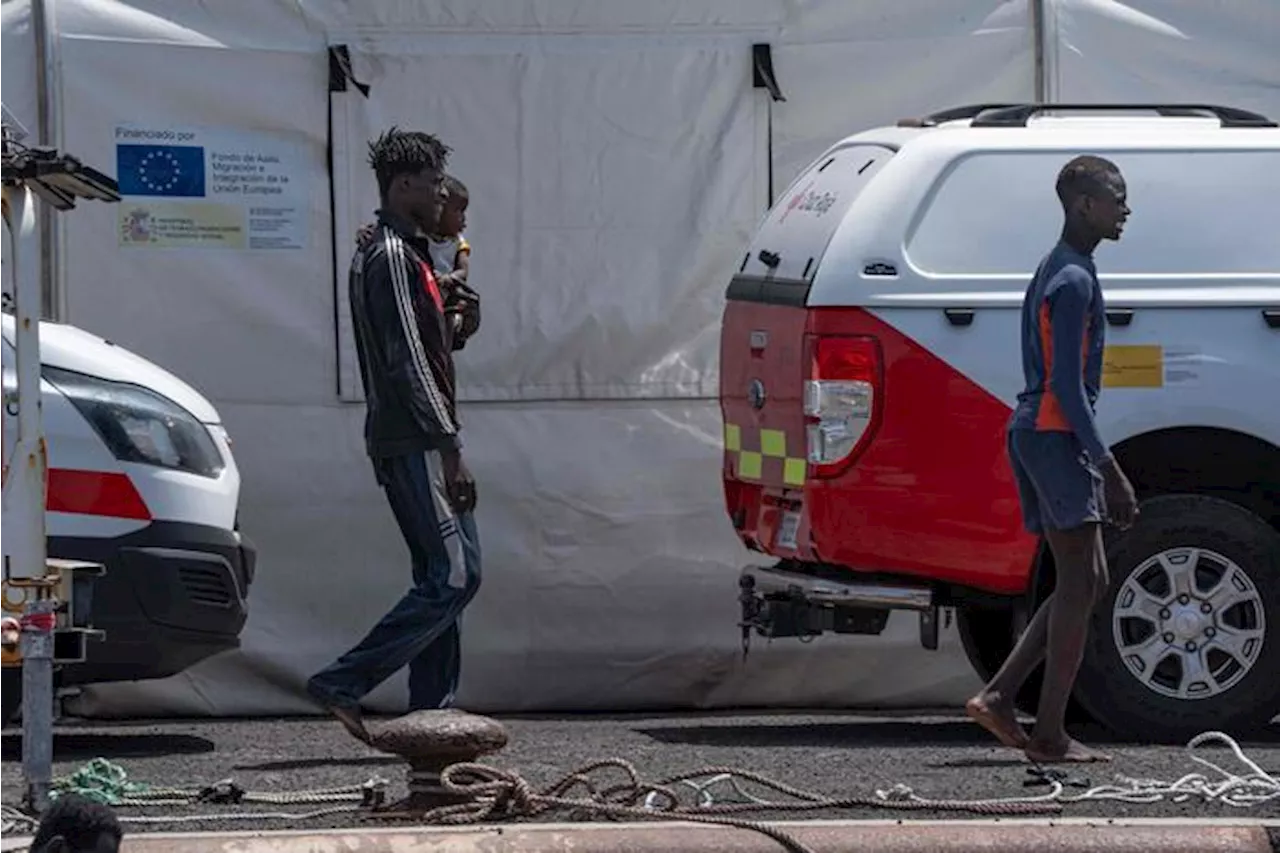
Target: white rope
<point x="1238" y="790"/>
<point x="13" y="820"/>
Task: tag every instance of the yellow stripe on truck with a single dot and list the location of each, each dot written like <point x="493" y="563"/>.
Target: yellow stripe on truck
<point x="749" y="464"/>
<point x="732" y="438"/>
<point x="773" y="442"/>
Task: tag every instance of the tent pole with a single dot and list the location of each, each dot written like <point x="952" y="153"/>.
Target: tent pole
<point x="44" y="28"/>
<point x="1038" y="35"/>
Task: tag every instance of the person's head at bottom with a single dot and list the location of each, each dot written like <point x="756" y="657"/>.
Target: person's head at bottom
<point x="76" y="824"/>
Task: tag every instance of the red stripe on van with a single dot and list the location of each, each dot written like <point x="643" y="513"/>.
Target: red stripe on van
<point x="95" y="493"/>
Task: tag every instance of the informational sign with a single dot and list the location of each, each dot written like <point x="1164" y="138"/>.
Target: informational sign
<point x="200" y="188"/>
<point x="1133" y="366"/>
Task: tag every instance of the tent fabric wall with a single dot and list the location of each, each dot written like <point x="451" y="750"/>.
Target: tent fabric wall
<point x="610" y="572"/>
<point x="607" y="192"/>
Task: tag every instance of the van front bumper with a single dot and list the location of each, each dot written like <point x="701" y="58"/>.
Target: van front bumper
<point x="173" y="594"/>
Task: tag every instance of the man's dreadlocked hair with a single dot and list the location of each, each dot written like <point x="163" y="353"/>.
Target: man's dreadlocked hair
<point x="1084" y="175"/>
<point x="398" y="152"/>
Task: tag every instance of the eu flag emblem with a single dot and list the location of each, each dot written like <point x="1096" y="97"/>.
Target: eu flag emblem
<point x="164" y="170"/>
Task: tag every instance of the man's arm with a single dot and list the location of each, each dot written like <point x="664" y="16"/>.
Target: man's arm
<point x="467" y="303"/>
<point x="1069" y="299"/>
<point x="395" y="296"/>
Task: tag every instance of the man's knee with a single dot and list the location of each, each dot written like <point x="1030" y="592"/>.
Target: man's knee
<point x="1076" y="560"/>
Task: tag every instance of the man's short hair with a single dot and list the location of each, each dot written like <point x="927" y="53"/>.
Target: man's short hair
<point x="1084" y="175"/>
<point x="79" y="820"/>
<point x="399" y="152"/>
<point x="455" y="187"/>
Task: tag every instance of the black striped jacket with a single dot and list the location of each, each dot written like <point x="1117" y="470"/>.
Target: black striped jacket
<point x="404" y="346"/>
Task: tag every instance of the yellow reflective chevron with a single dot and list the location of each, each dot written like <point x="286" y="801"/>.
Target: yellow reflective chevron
<point x="760" y="449"/>
<point x="773" y="442"/>
<point x="732" y="437"/>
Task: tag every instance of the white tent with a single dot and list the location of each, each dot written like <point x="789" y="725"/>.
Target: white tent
<point x="618" y="157"/>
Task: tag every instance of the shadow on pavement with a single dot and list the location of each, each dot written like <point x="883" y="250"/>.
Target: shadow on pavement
<point x="890" y="733"/>
<point x="879" y="733"/>
<point x="335" y="761"/>
<point x="114" y="746"/>
<point x="1013" y="758"/>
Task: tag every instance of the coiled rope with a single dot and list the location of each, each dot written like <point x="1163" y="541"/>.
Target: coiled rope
<point x="721" y="794"/>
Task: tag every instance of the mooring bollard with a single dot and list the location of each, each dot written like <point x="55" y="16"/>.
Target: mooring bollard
<point x="431" y="741"/>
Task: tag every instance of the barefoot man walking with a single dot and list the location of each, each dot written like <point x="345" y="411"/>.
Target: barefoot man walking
<point x="1068" y="481"/>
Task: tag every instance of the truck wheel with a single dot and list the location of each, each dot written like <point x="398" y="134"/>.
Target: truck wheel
<point x="1186" y="640"/>
<point x="10" y="693"/>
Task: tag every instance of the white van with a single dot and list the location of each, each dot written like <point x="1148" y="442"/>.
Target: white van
<point x="870" y="362"/>
<point x="142" y="480"/>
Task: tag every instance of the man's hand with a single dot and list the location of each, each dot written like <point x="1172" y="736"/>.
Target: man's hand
<point x="467" y="302"/>
<point x="458" y="483"/>
<point x="1122" y="503"/>
<point x="365" y="235"/>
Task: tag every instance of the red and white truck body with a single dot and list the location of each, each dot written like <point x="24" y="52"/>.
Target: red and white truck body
<point x="870" y="362"/>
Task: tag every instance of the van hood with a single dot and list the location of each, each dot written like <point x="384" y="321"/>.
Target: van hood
<point x="72" y="348"/>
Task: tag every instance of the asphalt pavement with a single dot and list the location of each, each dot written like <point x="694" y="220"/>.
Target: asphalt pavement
<point x="938" y="755"/>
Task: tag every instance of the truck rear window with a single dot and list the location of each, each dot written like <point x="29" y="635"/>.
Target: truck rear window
<point x="797" y="230"/>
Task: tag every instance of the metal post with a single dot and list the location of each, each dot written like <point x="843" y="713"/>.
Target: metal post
<point x="26" y="563"/>
<point x="25" y="480"/>
<point x="53" y="297"/>
<point x="37" y="697"/>
<point x="24" y="520"/>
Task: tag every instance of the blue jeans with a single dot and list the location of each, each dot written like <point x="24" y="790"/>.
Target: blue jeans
<point x="422" y="629"/>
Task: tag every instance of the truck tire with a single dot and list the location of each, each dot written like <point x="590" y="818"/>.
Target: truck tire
<point x="1187" y="639"/>
<point x="10" y="693"/>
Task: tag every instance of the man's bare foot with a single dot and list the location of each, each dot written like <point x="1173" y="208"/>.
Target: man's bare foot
<point x="1069" y="752"/>
<point x="351" y="721"/>
<point x="997" y="718"/>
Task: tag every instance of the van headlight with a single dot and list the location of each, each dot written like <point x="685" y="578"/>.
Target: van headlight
<point x="139" y="425"/>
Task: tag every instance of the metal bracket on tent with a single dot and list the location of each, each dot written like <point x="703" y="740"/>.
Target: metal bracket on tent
<point x="762" y="76"/>
<point x="340" y="73"/>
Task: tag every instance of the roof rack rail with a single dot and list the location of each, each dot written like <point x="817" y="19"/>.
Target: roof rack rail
<point x="1018" y="115"/>
<point x="952" y="114"/>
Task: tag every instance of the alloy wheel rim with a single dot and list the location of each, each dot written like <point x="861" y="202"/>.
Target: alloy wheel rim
<point x="1188" y="623"/>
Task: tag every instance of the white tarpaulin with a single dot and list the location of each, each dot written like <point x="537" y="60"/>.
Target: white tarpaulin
<point x="618" y="159"/>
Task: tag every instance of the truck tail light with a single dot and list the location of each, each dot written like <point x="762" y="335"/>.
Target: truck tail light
<point x="842" y="399"/>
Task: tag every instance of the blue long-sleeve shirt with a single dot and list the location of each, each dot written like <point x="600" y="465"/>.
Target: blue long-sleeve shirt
<point x="1063" y="334"/>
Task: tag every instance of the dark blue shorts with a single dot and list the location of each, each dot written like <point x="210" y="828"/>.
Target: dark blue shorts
<point x="1059" y="488"/>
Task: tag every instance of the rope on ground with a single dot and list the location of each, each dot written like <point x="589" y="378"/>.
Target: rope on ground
<point x="491" y="794"/>
<point x="108" y="783"/>
<point x="1236" y="790"/>
<point x="496" y="794"/>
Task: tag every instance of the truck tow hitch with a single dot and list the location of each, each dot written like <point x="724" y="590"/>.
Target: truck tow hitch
<point x="751" y="607"/>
